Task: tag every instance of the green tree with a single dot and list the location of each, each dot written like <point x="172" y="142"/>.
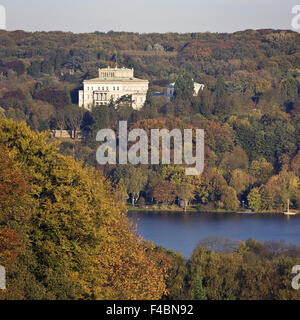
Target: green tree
<point x="240" y="181"/>
<point x="198" y="292"/>
<point x="177" y="280"/>
<point x="46" y="67"/>
<point x="184" y="87"/>
<point x="68" y="95"/>
<point x="73" y="117"/>
<point x="220" y="88"/>
<point x="34" y="69"/>
<point x="290" y="88"/>
<point x="254" y="199"/>
<point x="261" y="170"/>
<point x="185" y="192"/>
<point x="149" y="98"/>
<point x="135" y="180"/>
<point x="229" y="198"/>
<point x="237" y="159"/>
<point x="121" y="192"/>
<point x="296" y="164"/>
<point x="58" y="61"/>
<point x="205" y="103"/>
<point x="94" y="121"/>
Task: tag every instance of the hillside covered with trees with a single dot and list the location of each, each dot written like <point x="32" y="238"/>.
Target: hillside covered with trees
<point x="250" y="108"/>
<point x="64" y="235"/>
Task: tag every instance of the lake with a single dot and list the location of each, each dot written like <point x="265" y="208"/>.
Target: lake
<point x="182" y="231"/>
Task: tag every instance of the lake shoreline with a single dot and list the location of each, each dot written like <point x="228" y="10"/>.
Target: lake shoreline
<point x="191" y="209"/>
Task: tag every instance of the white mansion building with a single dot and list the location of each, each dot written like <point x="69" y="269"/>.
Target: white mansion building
<point x="112" y="84"/>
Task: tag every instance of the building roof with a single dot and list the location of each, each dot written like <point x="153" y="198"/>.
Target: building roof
<point x="171" y="85"/>
<point x="115" y="68"/>
<point x="115" y="80"/>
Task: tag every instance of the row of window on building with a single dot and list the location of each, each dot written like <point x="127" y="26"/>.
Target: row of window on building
<point x="103" y="88"/>
<point x="107" y="74"/>
<point x="114" y="96"/>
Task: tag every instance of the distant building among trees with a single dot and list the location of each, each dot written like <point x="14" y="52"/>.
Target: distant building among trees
<point x="111" y="85"/>
<point x="170" y="89"/>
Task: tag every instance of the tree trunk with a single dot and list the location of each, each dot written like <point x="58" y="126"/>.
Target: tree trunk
<point x="185" y="205"/>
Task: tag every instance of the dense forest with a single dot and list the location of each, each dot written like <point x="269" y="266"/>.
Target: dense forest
<point x="64" y="235"/>
<point x="250" y="108"/>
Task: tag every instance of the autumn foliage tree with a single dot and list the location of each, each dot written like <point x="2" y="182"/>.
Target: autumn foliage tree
<point x="81" y="245"/>
<point x="164" y="193"/>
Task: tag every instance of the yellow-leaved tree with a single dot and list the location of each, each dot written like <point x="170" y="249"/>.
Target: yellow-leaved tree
<point x="80" y="242"/>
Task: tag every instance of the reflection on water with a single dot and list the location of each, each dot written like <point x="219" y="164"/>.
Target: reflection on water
<point x="182" y="231"/>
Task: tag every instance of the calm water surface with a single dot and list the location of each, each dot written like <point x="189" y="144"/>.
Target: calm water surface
<point x="182" y="232"/>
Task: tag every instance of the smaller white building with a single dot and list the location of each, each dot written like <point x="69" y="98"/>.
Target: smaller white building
<point x="170" y="89"/>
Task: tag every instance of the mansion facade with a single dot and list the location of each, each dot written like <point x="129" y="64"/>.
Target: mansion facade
<point x="111" y="85"/>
